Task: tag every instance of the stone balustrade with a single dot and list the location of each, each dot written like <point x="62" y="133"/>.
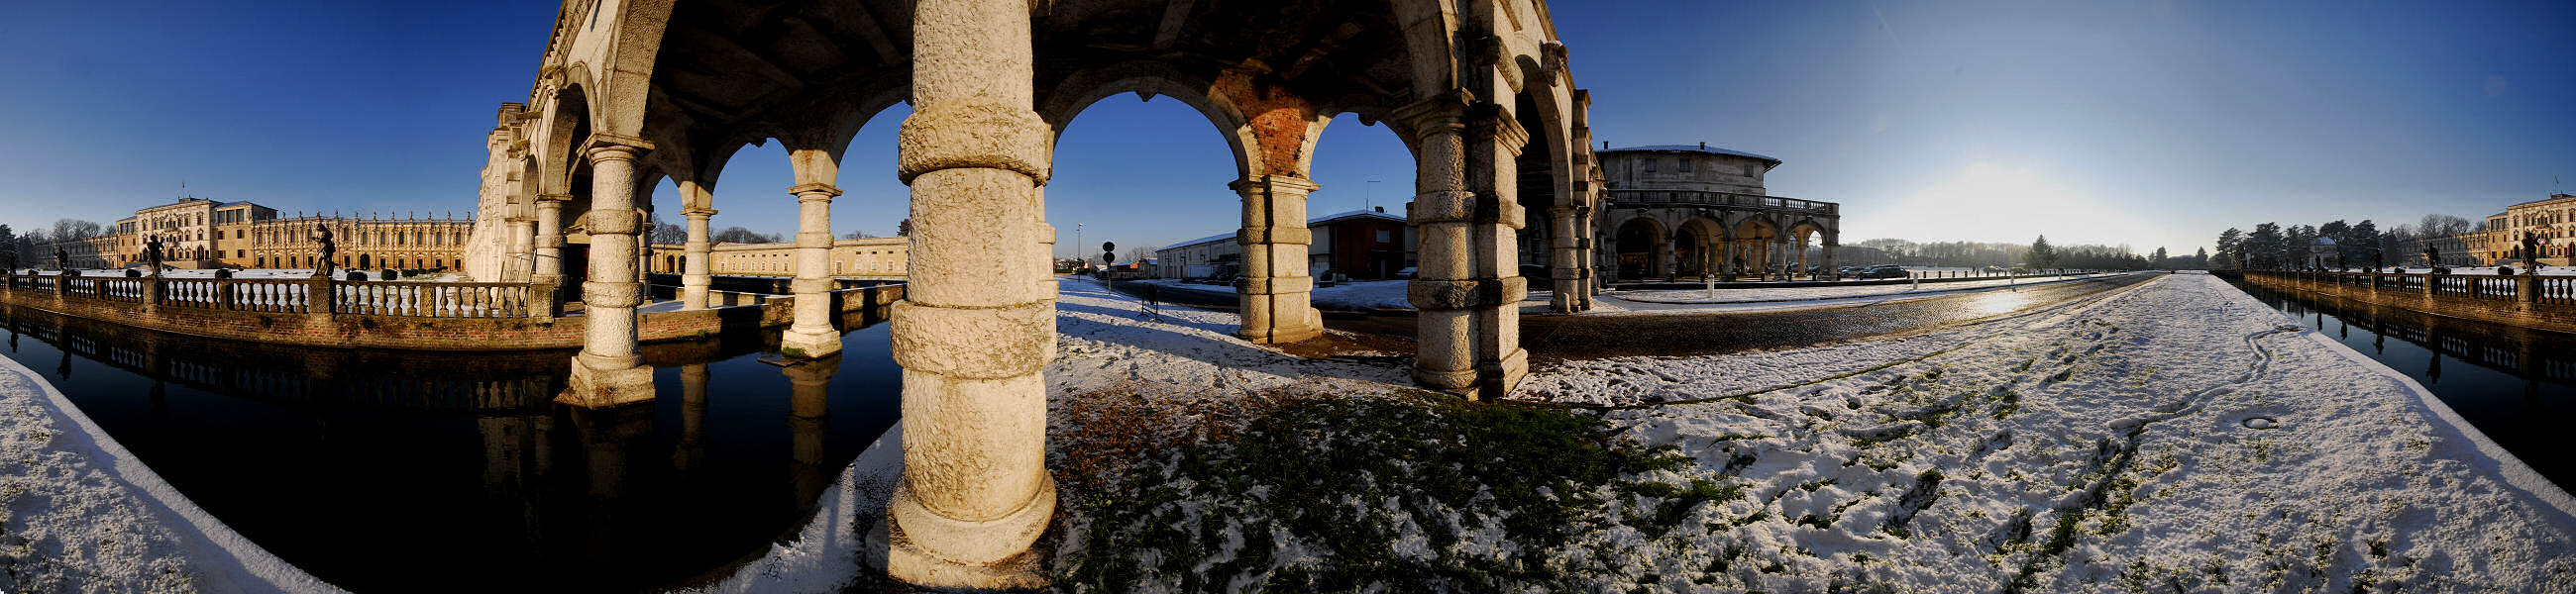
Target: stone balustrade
<point x="2539" y="302"/>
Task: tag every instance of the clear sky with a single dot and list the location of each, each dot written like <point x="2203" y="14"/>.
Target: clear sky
<point x="2146" y="123"/>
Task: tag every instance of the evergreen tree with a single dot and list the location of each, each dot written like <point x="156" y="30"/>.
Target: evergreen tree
<point x="2229" y="242"/>
<point x="2158" y="261"/>
<point x="903" y="229"/>
<point x="2361" y="244"/>
<point x="2200" y="258"/>
<point x="2041" y="255"/>
<point x="2262" y="248"/>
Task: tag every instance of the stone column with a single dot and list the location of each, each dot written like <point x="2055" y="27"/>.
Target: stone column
<point x="550" y="241"/>
<point x="1565" y="269"/>
<point x="976" y="330"/>
<point x="1780" y="257"/>
<point x="1467" y="285"/>
<point x="1834" y="273"/>
<point x="1275" y="289"/>
<point x="608" y="371"/>
<point x="694" y="277"/>
<point x="812" y="335"/>
<point x="1587" y="268"/>
<point x="1668" y="260"/>
<point x="517" y="264"/>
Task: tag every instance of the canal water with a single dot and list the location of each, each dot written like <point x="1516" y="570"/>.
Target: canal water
<point x="2517" y="385"/>
<point x="400" y="471"/>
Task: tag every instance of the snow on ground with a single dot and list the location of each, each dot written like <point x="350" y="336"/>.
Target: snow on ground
<point x="1104" y="338"/>
<point x="1766" y="294"/>
<point x="78" y="513"/>
<point x="2175" y="436"/>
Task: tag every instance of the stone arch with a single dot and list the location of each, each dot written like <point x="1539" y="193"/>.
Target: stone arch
<point x="1706" y="247"/>
<point x="1147" y="80"/>
<point x="1639" y="243"/>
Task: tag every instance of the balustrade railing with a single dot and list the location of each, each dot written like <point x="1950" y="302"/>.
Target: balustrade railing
<point x="380" y="298"/>
<point x="1706" y="198"/>
<point x="2546" y="290"/>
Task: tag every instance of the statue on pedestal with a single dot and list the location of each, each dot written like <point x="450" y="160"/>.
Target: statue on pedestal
<point x="62" y="260"/>
<point x="152" y="253"/>
<point x="322" y="267"/>
<point x="2530" y="251"/>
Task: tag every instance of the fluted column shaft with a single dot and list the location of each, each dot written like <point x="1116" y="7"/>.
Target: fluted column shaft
<point x="1276" y="289"/>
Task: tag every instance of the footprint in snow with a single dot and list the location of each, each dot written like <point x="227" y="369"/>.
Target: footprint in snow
<point x="2262" y="423"/>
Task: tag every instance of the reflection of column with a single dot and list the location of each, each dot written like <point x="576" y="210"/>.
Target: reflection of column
<point x="977" y="327"/>
<point x="606" y="435"/>
<point x="608" y="372"/>
<point x="694" y="276"/>
<point x="809" y="397"/>
<point x="812" y="334"/>
<point x="504" y="448"/>
<point x="693" y="418"/>
<point x="1274" y="290"/>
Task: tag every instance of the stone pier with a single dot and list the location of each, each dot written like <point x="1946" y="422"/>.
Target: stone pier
<point x="1275" y="291"/>
<point x="975" y="332"/>
<point x="608" y="372"/>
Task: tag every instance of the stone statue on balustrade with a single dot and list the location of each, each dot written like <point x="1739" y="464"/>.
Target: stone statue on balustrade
<point x="62" y="260"/>
<point x="2530" y="251"/>
<point x="152" y="253"/>
<point x="322" y="235"/>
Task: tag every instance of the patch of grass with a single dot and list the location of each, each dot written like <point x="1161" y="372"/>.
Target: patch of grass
<point x="1318" y="473"/>
<point x="2008" y="403"/>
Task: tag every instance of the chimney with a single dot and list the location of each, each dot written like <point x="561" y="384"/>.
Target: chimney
<point x="1381" y="210"/>
<point x="1703" y="145"/>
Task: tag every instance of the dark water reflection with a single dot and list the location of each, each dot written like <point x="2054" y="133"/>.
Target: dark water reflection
<point x="2517" y="385"/>
<point x="449" y="472"/>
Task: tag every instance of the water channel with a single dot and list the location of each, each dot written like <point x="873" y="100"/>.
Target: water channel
<point x="2517" y="385"/>
<point x="402" y="471"/>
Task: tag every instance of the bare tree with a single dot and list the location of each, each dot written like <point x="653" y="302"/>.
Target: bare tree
<point x="741" y="235"/>
<point x="668" y="233"/>
<point x="2442" y="225"/>
<point x="68" y="229"/>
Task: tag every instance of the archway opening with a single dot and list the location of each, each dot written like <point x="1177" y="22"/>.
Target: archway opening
<point x="1363" y="167"/>
<point x="1637" y="239"/>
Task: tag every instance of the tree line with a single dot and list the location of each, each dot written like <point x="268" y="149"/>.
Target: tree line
<point x="2037" y="254"/>
<point x="2272" y="246"/>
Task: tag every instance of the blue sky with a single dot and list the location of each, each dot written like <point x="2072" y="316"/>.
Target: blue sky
<point x="2148" y="123"/>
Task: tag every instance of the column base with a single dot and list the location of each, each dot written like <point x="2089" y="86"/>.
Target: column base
<point x="907" y="555"/>
<point x="1496" y="379"/>
<point x="1279" y="335"/>
<point x="594" y="387"/>
<point x="796" y="344"/>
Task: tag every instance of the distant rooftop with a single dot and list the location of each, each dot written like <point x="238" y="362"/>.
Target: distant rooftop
<point x="1347" y="214"/>
<point x="1701" y="148"/>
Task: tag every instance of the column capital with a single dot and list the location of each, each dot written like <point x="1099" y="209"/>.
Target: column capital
<point x="1274" y="184"/>
<point x="553" y="199"/>
<point x="612" y="147"/>
<point x="697" y="212"/>
<point x="1507" y="130"/>
<point x="1448" y="110"/>
<point x="817" y="191"/>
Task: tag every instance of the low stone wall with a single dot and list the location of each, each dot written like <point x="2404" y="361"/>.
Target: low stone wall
<point x="2542" y="303"/>
<point x="347" y="330"/>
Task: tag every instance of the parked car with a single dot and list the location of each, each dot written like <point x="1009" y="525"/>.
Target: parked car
<point x="1883" y="272"/>
<point x="1406" y="273"/>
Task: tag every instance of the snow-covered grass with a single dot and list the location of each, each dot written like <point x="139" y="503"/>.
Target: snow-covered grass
<point x="1772" y="294"/>
<point x="78" y="513"/>
<point x="2176" y="436"/>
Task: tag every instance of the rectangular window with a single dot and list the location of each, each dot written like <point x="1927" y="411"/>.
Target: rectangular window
<point x="1686" y="165"/>
<point x="1383" y="235"/>
<point x="1650" y="165"/>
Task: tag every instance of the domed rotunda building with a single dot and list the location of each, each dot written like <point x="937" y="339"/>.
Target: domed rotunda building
<point x="1676" y="212"/>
